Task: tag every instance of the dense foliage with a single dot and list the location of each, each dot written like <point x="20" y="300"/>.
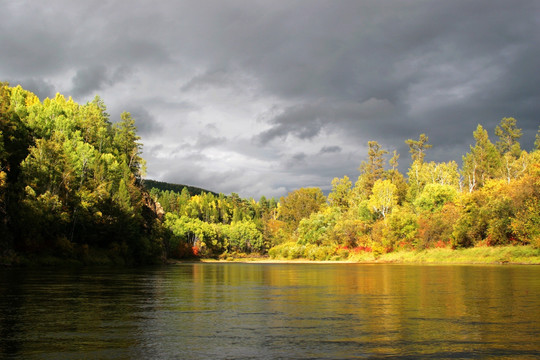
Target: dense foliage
<point x="211" y="225"/>
<point x="71" y="187"/>
<point x="494" y="199"/>
<point x="70" y="183"/>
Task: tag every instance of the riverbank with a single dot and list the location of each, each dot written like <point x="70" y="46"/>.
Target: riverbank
<point x="526" y="255"/>
<point x="476" y="255"/>
<point x="519" y="255"/>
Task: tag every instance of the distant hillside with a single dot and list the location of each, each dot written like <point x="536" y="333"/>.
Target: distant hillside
<point x="164" y="186"/>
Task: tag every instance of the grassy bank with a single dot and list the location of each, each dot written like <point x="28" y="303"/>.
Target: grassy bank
<point x="477" y="255"/>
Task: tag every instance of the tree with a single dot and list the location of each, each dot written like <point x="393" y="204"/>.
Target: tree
<point x="513" y="160"/>
<point x="397" y="178"/>
<point x="245" y="236"/>
<point x="417" y="148"/>
<point x="126" y="140"/>
<point x="444" y="173"/>
<point x="402" y="227"/>
<point x="374" y="167"/>
<point x="482" y="162"/>
<point x="317" y="228"/>
<point x="370" y="170"/>
<point x="394" y="160"/>
<point x="68" y="181"/>
<point x="384" y="197"/>
<point x="300" y="204"/>
<point x="341" y="191"/>
<point x="435" y="196"/>
<point x="508" y="135"/>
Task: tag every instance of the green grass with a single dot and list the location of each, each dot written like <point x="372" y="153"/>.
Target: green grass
<point x="479" y="255"/>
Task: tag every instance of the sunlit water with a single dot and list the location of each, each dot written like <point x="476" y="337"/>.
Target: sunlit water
<point x="271" y="311"/>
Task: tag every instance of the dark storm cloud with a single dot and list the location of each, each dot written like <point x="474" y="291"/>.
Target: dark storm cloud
<point x="303" y="121"/>
<point x="42" y="88"/>
<point x="89" y="80"/>
<point x="146" y="123"/>
<point x="432" y="52"/>
<point x="306" y="121"/>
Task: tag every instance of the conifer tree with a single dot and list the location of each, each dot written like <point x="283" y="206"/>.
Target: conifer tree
<point x="508" y="135"/>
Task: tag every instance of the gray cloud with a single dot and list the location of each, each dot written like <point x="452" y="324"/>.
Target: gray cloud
<point x="306" y="121"/>
<point x="146" y="123"/>
<point x="330" y="149"/>
<point x="91" y="79"/>
<point x="42" y="88"/>
<point x="282" y="79"/>
<point x="214" y="78"/>
<point x="303" y="121"/>
<point x="206" y="141"/>
<point x="88" y="80"/>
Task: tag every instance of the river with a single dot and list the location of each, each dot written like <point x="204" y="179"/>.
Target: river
<point x="271" y="311"/>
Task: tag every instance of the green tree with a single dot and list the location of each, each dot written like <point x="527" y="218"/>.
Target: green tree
<point x="482" y="162"/>
<point x="417" y="180"/>
<point x="397" y="178"/>
<point x="434" y="196"/>
<point x="416" y="172"/>
<point x="417" y="148"/>
<point x="444" y="173"/>
<point x="384" y="197"/>
<point x="370" y="171"/>
<point x="299" y="204"/>
<point x="127" y="142"/>
<point x="66" y="183"/>
<point x="402" y="227"/>
<point x="508" y="135"/>
<point x="341" y="192"/>
<point x="244" y="236"/>
<point x="394" y="160"/>
<point x="317" y="228"/>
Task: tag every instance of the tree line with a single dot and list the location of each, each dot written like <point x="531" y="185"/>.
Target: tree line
<point x="71" y="186"/>
<point x="493" y="199"/>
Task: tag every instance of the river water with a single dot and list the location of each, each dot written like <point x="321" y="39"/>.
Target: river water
<point x="272" y="311"/>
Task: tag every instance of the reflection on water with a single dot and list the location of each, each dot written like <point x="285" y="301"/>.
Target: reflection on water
<point x="230" y="311"/>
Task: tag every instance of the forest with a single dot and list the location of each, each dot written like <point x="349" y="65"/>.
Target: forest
<point x="72" y="189"/>
<point x="70" y="184"/>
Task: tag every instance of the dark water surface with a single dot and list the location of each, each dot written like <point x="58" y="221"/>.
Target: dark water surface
<point x="270" y="311"/>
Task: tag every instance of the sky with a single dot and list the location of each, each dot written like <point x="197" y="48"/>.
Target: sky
<point x="265" y="97"/>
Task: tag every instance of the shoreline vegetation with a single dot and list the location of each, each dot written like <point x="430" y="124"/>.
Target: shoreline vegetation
<point x="497" y="255"/>
<point x="72" y="192"/>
